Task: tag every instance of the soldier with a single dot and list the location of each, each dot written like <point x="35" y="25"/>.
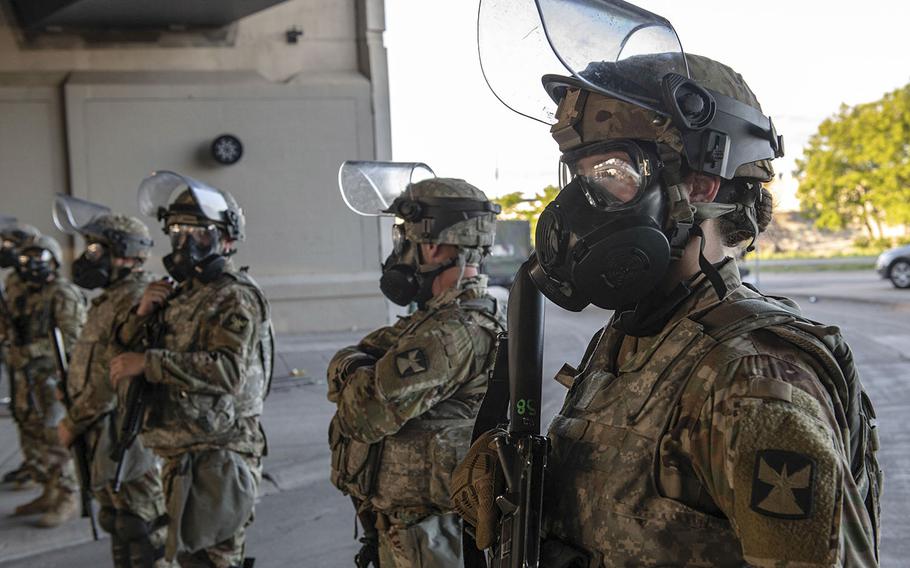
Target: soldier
<point x="13" y="235"/>
<point x="116" y="247"/>
<point x="208" y="373"/>
<point x="48" y="300"/>
<point x="707" y="424"/>
<point x="407" y="394"/>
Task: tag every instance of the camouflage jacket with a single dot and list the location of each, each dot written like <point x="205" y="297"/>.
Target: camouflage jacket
<point x="411" y="391"/>
<point x="702" y="448"/>
<point x="89" y="384"/>
<point x="209" y="366"/>
<point x="34" y="312"/>
<point x="13" y="287"/>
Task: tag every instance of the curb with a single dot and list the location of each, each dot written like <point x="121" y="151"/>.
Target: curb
<point x="837" y="298"/>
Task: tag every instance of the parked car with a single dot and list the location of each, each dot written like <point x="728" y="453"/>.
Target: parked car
<point x="894" y="265"/>
<point x="510" y="249"/>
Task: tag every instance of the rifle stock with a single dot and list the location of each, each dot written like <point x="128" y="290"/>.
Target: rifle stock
<point x="79" y="447"/>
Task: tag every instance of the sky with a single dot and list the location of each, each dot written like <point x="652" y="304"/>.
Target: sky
<point x="802" y="58"/>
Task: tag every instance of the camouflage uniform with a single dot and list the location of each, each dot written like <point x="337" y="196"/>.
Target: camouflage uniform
<point x="95" y="411"/>
<point x="208" y="379"/>
<point x="715" y="442"/>
<point x="416" y="400"/>
<point x="31" y="360"/>
<point x="30" y="442"/>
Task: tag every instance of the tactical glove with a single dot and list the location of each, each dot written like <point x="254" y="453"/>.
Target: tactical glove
<point x="476" y="482"/>
<point x="342" y="365"/>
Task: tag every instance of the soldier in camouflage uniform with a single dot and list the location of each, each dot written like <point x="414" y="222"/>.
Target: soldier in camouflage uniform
<point x="13" y="235"/>
<point x="48" y="300"/>
<point x="208" y="372"/>
<point x="116" y="248"/>
<point x="707" y="424"/>
<point x="407" y="394"/>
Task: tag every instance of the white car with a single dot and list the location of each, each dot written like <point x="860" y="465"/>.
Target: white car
<point x="894" y="265"/>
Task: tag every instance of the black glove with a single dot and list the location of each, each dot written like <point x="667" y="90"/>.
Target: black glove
<point x="369" y="552"/>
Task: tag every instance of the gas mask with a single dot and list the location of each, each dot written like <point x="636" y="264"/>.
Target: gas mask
<point x="605" y="239"/>
<point x="405" y="278"/>
<point x="94" y="268"/>
<point x="36" y="266"/>
<point x="196" y="252"/>
<point x="8" y="256"/>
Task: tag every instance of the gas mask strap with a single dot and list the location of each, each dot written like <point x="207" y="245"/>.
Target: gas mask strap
<point x="460" y="262"/>
<point x="681" y="211"/>
<point x="717" y="282"/>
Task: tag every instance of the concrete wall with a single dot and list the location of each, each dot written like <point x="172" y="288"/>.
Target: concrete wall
<point x="92" y="122"/>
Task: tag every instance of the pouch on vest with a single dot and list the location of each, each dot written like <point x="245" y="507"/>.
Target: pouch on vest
<point x="354" y="464"/>
<point x="210" y="498"/>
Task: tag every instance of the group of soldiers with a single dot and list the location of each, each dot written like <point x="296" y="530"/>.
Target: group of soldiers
<point x="158" y="383"/>
<point x="707" y="424"/>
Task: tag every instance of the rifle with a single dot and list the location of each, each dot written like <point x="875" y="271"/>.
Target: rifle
<point x="80" y="447"/>
<point x="135" y="404"/>
<point x="514" y="388"/>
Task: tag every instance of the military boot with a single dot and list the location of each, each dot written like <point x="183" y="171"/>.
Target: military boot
<point x="14" y="475"/>
<point x="42" y="504"/>
<point x="64" y="509"/>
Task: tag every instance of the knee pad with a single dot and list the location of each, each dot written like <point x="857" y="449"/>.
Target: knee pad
<point x="107" y="518"/>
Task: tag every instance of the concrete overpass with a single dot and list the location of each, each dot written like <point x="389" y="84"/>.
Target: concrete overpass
<point x="92" y="99"/>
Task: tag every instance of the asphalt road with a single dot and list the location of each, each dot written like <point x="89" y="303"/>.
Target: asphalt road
<point x="307" y="523"/>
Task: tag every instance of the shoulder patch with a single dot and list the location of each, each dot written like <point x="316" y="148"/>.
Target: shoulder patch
<point x="411" y="362"/>
<point x="236" y="323"/>
<point x="783" y="484"/>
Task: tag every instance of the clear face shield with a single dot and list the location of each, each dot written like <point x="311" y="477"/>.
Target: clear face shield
<point x="621" y="51"/>
<point x="519" y="42"/>
<point x="370" y="188"/>
<point x="74" y="216"/>
<point x="165" y="193"/>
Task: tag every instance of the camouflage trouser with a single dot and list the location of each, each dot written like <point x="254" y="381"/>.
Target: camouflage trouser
<point x="39" y="427"/>
<point x="31" y="433"/>
<point x="142" y="497"/>
<point x="227" y="552"/>
<point x="434" y="542"/>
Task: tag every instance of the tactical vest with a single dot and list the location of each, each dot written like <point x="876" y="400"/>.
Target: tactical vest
<point x="609" y="490"/>
<point x="90" y="352"/>
<point x="406" y="475"/>
<point x="185" y="418"/>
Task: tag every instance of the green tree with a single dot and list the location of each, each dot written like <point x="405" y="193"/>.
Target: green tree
<point x="517" y="206"/>
<point x="856" y="168"/>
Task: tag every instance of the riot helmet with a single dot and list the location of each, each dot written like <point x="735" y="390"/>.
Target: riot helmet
<point x="12" y="235"/>
<point x="39" y="259"/>
<point x="107" y="236"/>
<point x="634" y="115"/>
<point x="197" y="218"/>
<point x="428" y="210"/>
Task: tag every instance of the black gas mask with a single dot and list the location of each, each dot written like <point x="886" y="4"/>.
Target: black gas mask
<point x="8" y="256"/>
<point x="405" y="278"/>
<point x="196" y="252"/>
<point x="36" y="266"/>
<point x="605" y="239"/>
<point x="94" y="268"/>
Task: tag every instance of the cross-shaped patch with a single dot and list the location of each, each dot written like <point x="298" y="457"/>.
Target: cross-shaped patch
<point x="782" y="484"/>
<point x="411" y="362"/>
<point x="236" y="323"/>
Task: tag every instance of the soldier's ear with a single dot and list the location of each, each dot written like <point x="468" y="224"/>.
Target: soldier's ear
<point x="703" y="188"/>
